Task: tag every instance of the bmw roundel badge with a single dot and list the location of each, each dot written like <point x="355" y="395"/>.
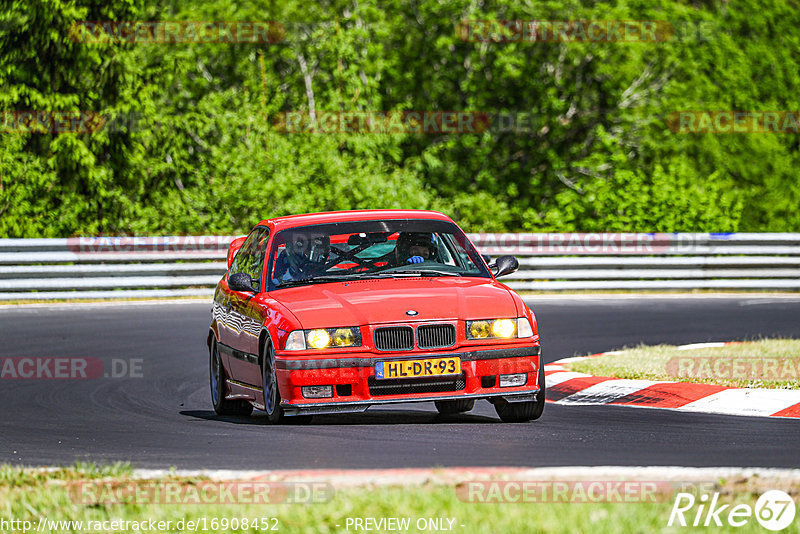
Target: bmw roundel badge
<point x="412" y="313"/>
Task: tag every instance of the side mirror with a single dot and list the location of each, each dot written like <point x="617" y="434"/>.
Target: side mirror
<point x="505" y="265"/>
<point x="233" y="248"/>
<point x="241" y="282"/>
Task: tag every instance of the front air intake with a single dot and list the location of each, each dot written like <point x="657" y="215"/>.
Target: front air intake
<point x="404" y="386"/>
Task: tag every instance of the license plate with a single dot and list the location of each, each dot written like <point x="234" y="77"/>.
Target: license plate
<point x="418" y="368"/>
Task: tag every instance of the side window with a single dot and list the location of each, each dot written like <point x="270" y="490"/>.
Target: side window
<point x="256" y="268"/>
<point x="250" y="258"/>
<point x="238" y="260"/>
<point x="443" y="251"/>
<point x="458" y="256"/>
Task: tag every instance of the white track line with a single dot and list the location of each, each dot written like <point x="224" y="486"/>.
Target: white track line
<point x="556" y="378"/>
<point x="452" y="476"/>
<point x="745" y="402"/>
<point x="693" y="346"/>
<point x="607" y="391"/>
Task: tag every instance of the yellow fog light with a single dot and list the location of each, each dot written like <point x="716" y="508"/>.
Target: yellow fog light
<point x="319" y="339"/>
<point x="343" y="337"/>
<point x="504" y="328"/>
<point x="479" y="329"/>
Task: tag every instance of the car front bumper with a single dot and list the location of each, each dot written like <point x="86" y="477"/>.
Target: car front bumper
<point x="355" y="387"/>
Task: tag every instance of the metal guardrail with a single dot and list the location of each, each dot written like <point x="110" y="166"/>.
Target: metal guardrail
<point x="132" y="267"/>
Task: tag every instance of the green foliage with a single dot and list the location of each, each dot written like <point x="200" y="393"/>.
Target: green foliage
<point x="194" y="148"/>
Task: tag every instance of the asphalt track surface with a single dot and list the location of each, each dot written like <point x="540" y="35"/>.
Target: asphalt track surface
<point x="164" y="418"/>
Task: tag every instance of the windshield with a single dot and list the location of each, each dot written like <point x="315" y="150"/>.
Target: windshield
<point x="371" y="249"/>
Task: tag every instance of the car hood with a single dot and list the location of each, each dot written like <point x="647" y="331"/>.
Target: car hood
<point x="377" y="301"/>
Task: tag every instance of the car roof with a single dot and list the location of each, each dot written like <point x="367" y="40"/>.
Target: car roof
<point x="293" y="221"/>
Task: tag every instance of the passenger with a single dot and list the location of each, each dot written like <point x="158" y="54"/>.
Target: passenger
<point x="415" y="247"/>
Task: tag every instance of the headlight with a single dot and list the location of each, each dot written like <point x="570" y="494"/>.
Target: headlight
<point x="499" y="328"/>
<point x="504" y="328"/>
<point x="296" y="341"/>
<point x="323" y="338"/>
<point x="318" y="339"/>
<point x="524" y="327"/>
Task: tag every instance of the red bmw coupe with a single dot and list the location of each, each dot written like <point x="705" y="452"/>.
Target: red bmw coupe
<point x="335" y="312"/>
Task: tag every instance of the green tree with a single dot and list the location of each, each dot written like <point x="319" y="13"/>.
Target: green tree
<point x="60" y="184"/>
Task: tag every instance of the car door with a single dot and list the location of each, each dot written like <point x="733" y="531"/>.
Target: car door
<point x="229" y="322"/>
<point x="245" y="315"/>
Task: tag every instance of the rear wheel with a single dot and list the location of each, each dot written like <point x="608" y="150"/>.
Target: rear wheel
<point x="520" y="412"/>
<point x="454" y="406"/>
<point x="217" y="383"/>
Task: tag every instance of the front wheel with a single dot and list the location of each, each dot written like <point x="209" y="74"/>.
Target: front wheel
<point x="521" y="412"/>
<point x="269" y="381"/>
<point x="217" y="383"/>
<point x="454" y="406"/>
<point x="272" y="394"/>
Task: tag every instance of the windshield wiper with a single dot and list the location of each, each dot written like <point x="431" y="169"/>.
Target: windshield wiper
<point x="315" y="280"/>
<point x="378" y="274"/>
<point x="401" y="274"/>
<point x="426" y="272"/>
<point x="364" y="276"/>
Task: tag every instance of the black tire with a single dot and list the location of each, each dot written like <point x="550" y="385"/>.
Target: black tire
<point x="447" y="407"/>
<point x="272" y="400"/>
<point x="522" y="412"/>
<point x="217" y="379"/>
<point x="269" y="384"/>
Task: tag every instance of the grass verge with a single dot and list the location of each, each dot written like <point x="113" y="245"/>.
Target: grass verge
<point x="768" y="363"/>
<point x="28" y="495"/>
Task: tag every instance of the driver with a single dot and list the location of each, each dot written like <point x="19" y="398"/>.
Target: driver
<point x="304" y="257"/>
<point x="415" y="247"/>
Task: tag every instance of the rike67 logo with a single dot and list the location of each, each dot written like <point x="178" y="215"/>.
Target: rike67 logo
<point x="774" y="510"/>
